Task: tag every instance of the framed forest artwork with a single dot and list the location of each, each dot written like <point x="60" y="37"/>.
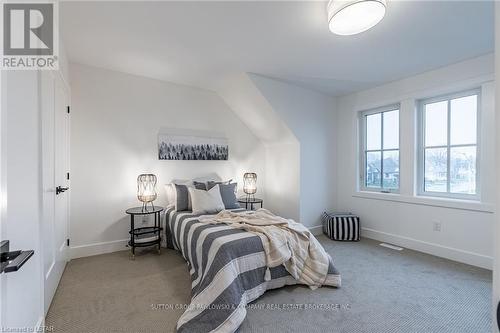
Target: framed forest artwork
<point x="185" y="147"/>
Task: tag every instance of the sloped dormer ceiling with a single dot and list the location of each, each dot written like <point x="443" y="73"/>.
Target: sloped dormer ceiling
<point x="196" y="43"/>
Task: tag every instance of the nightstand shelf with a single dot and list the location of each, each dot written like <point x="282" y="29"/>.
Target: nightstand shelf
<point x="250" y="202"/>
<point x="145" y="231"/>
<point x="144" y="244"/>
<point x="145" y="236"/>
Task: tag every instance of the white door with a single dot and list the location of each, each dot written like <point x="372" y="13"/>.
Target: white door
<point x="21" y="292"/>
<point x="55" y="149"/>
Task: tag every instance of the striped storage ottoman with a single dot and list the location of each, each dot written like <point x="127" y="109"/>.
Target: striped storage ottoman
<point x="341" y="226"/>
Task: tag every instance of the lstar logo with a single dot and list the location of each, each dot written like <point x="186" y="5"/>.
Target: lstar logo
<point x="30" y="36"/>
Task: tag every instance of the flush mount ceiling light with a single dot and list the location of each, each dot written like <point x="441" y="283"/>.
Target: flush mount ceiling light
<point x="350" y="17"/>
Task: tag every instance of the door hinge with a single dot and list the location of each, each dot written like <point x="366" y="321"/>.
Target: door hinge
<point x="67" y="108"/>
<point x="67" y="242"/>
<point x="67" y="175"/>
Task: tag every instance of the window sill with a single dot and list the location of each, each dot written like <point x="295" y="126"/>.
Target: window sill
<point x="470" y="205"/>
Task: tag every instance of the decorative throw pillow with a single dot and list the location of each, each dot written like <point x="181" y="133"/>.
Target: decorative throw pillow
<point x="182" y="198"/>
<point x="208" y="177"/>
<point x="206" y="202"/>
<point x="200" y="185"/>
<point x="170" y="189"/>
<point x="228" y="194"/>
<point x="211" y="183"/>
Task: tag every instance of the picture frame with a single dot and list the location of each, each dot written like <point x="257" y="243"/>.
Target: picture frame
<point x="192" y="147"/>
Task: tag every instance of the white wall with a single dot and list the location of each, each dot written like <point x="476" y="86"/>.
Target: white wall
<point x="115" y="121"/>
<point x="308" y="115"/>
<point x="404" y="219"/>
<point x="282" y="179"/>
<point x="496" y="268"/>
<point x="282" y="168"/>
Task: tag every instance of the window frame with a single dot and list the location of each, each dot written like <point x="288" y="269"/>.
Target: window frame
<point x="363" y="147"/>
<point x="420" y="185"/>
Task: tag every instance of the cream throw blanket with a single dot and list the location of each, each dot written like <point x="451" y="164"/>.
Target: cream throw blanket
<point x="285" y="243"/>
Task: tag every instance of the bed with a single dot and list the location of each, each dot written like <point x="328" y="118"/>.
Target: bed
<point x="227" y="268"/>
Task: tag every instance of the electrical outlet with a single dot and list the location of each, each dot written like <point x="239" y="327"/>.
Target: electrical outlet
<point x="436" y="226"/>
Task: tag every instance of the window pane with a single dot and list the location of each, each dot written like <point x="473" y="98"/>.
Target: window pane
<point x="436" y="124"/>
<point x="463" y="170"/>
<point x="463" y="127"/>
<point x="391" y="130"/>
<point x="373" y="131"/>
<point x="435" y="169"/>
<point x="373" y="169"/>
<point x="391" y="169"/>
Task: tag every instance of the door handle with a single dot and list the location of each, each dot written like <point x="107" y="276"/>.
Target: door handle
<point x="60" y="189"/>
<point x="12" y="261"/>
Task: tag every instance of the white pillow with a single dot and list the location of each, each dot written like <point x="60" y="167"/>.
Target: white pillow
<point x="206" y="202"/>
<point x="171" y="192"/>
<point x="169" y="189"/>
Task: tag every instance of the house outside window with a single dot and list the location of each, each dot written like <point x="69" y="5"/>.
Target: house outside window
<point x="448" y="145"/>
<point x="379" y="147"/>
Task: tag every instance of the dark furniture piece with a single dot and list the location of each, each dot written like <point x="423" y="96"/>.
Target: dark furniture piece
<point x="136" y="234"/>
<point x="12" y="261"/>
<point x="498" y="315"/>
<point x="250" y="202"/>
<point x="341" y="226"/>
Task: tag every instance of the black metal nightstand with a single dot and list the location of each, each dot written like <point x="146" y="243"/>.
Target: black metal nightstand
<point x="251" y="202"/>
<point x="145" y="236"/>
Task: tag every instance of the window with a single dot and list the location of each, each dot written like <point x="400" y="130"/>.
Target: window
<point x="448" y="145"/>
<point x="380" y="149"/>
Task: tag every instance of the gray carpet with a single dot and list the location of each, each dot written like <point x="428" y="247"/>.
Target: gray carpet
<point x="382" y="291"/>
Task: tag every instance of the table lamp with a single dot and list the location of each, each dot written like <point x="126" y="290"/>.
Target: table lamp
<point x="146" y="190"/>
<point x="250" y="185"/>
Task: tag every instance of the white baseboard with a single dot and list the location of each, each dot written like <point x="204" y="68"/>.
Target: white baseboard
<point x="40" y="325"/>
<point x="466" y="257"/>
<point x="97" y="248"/>
<point x="462" y="256"/>
<point x="316" y="230"/>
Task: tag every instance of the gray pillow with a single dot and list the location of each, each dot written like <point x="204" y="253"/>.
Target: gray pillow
<point x="181" y="198"/>
<point x="200" y="186"/>
<point x="211" y="183"/>
<point x="228" y="194"/>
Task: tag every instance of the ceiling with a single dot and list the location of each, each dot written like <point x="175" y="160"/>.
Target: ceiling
<point x="197" y="43"/>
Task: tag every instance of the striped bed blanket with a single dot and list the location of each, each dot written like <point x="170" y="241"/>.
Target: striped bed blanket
<point x="227" y="268"/>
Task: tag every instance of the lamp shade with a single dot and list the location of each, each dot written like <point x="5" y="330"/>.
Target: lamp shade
<point x="146" y="188"/>
<point x="250" y="183"/>
<point x="350" y="17"/>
